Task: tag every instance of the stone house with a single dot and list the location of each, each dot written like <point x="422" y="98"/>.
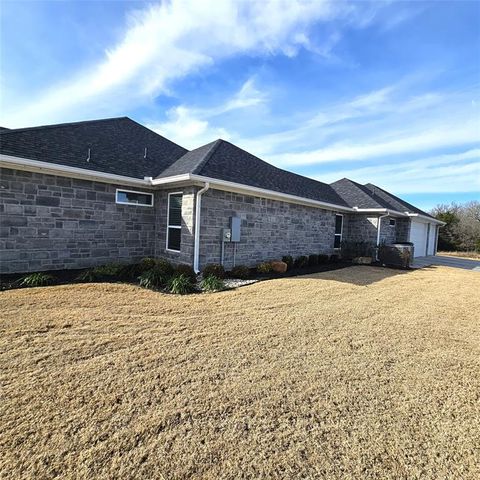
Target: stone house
<point x="81" y="194"/>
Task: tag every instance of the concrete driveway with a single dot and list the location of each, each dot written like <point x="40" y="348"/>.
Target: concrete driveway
<point x="444" y="261"/>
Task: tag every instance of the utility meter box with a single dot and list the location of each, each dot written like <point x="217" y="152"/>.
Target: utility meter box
<point x="235" y="223"/>
<point x="226" y="235"/>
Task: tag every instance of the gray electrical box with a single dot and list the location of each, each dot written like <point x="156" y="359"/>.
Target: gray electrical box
<point x="235" y="223"/>
<point x="226" y="235"/>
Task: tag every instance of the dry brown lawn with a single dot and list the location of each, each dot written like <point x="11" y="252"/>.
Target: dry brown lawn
<point x="352" y="374"/>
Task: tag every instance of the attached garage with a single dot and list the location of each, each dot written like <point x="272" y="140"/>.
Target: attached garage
<point x="418" y="236"/>
<point x="432" y="239"/>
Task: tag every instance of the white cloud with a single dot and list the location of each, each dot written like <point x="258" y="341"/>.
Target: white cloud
<point x="454" y="172"/>
<point x="191" y="126"/>
<point x="168" y="41"/>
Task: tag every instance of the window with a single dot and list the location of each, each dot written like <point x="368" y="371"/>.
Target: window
<point x="338" y="231"/>
<point x="174" y="221"/>
<point x="129" y="197"/>
<point x="392" y="222"/>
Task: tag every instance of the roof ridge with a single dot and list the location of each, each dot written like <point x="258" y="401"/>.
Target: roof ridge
<point x="208" y="156"/>
<point x="64" y="124"/>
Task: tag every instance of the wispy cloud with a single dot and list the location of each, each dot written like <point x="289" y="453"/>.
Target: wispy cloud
<point x="167" y="41"/>
<point x="455" y="172"/>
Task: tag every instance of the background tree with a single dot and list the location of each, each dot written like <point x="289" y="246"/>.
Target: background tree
<point x="462" y="229"/>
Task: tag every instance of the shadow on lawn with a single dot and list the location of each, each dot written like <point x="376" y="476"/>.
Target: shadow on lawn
<point x="361" y="275"/>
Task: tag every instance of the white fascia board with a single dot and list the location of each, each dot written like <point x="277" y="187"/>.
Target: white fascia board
<point x="261" y="192"/>
<point x="19" y="163"/>
<point x="426" y="219"/>
<point x="381" y="210"/>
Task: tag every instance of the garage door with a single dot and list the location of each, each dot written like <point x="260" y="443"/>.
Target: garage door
<point x="418" y="236"/>
<point x="431" y="240"/>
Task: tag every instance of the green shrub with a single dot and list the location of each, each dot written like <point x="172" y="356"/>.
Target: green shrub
<point x="109" y="270"/>
<point x="301" y="262"/>
<point x="214" y="269"/>
<point x="148" y="263"/>
<point x="164" y="267"/>
<point x="288" y="259"/>
<point x="240" y="271"/>
<point x="88" y="276"/>
<point x="212" y="284"/>
<point x="39" y="279"/>
<point x="322" y="258"/>
<point x="152" y="279"/>
<point x="264" y="267"/>
<point x="131" y="271"/>
<point x="180" y="284"/>
<point x="186" y="270"/>
<point x="312" y="260"/>
<point x="334" y="258"/>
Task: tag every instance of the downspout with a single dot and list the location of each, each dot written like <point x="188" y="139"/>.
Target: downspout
<point x="378" y="230"/>
<point x="198" y="209"/>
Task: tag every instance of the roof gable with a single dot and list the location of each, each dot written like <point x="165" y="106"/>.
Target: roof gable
<point x="116" y="145"/>
<point x="224" y="161"/>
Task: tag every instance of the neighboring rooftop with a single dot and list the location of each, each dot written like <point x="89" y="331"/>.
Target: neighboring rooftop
<point x="117" y="146"/>
<point x="224" y="161"/>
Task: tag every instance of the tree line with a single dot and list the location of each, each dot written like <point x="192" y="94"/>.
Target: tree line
<point x="462" y="229"/>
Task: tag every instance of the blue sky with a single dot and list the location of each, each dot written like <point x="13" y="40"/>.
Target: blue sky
<point x="381" y="92"/>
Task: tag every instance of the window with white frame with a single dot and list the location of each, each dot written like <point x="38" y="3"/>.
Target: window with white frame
<point x="174" y="221"/>
<point x="130" y="197"/>
<point x="338" y="231"/>
<point x="392" y="222"/>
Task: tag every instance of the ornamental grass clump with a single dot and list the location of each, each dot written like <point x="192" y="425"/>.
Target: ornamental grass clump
<point x="153" y="279"/>
<point x="212" y="284"/>
<point x="180" y="284"/>
<point x="264" y="267"/>
<point x="39" y="279"/>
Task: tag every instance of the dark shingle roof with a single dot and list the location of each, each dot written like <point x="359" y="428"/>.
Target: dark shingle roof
<point x="225" y="161"/>
<point x="397" y="203"/>
<point x="117" y="146"/>
<point x="371" y="196"/>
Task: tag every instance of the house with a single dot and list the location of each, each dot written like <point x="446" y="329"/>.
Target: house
<point x="81" y="194"/>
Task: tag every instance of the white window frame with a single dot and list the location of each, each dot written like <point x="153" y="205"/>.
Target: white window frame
<point x="172" y="226"/>
<point x="133" y="203"/>
<point x="394" y="222"/>
<point x="338" y="234"/>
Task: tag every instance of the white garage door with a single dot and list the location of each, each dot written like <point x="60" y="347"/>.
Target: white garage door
<point x="432" y="240"/>
<point x="418" y="236"/>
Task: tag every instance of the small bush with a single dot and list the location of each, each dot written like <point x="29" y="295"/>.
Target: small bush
<point x="147" y="263"/>
<point x="164" y="267"/>
<point x="334" y="258"/>
<point x="322" y="259"/>
<point x="264" y="267"/>
<point x="288" y="259"/>
<point x="180" y="284"/>
<point x="186" y="270"/>
<point x="240" y="271"/>
<point x="131" y="271"/>
<point x="312" y="260"/>
<point x="152" y="279"/>
<point x="212" y="284"/>
<point x="39" y="279"/>
<point x="301" y="262"/>
<point x="88" y="276"/>
<point x="214" y="269"/>
<point x="109" y="270"/>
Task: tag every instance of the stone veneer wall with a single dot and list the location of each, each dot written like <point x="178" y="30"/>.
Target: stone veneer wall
<point x="388" y="234"/>
<point x="188" y="219"/>
<point x="50" y="222"/>
<point x="269" y="229"/>
<point x="360" y="228"/>
<point x="403" y="229"/>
